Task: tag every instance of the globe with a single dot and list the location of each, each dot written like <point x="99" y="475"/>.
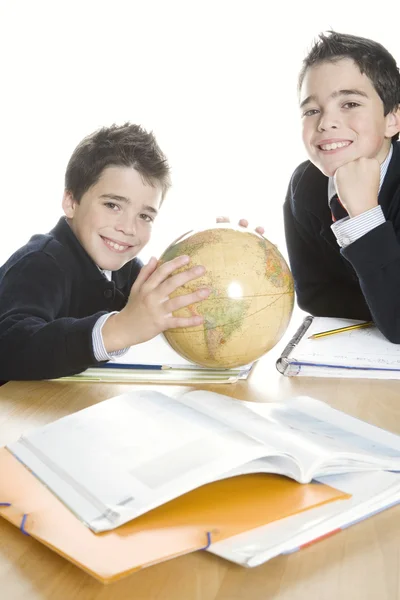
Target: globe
<point x="251" y="299"/>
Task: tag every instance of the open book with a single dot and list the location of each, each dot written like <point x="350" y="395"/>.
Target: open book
<point x="125" y="456"/>
<point x="363" y="353"/>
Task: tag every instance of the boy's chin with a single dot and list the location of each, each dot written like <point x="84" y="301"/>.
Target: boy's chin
<point x="328" y="170"/>
<point x="113" y="265"/>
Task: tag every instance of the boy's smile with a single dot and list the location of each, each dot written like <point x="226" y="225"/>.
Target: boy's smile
<point x="116" y="246"/>
<point x="343" y="116"/>
<point x="114" y="218"/>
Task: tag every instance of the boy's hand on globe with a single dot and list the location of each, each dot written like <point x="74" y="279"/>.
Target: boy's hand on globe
<point x="242" y="223"/>
<point x="149" y="309"/>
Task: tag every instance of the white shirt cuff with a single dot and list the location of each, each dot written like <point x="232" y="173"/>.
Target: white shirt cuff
<point x="99" y="351"/>
<point x="348" y="230"/>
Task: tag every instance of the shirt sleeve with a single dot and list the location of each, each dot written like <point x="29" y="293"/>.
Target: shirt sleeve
<point x="350" y="229"/>
<point x="99" y="351"/>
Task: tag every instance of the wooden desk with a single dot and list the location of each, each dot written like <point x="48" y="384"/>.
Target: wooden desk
<point x="361" y="563"/>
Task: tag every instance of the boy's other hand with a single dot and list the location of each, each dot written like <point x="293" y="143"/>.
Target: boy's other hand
<point x="242" y="223"/>
<point x="149" y="309"/>
<point x="357" y="185"/>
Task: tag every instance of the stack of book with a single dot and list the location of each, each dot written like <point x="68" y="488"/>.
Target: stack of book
<point x="144" y="477"/>
<point x="155" y="361"/>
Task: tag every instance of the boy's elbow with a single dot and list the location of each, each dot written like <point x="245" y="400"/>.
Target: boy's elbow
<point x="390" y="328"/>
<point x="392" y="334"/>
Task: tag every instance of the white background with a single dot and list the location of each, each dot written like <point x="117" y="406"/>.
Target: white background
<point x="214" y="79"/>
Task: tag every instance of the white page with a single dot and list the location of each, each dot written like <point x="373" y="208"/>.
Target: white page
<point x="363" y="348"/>
<point x="158" y="352"/>
<point x="307" y="429"/>
<point x="370" y="492"/>
<point x="125" y="456"/>
<point x="261" y="427"/>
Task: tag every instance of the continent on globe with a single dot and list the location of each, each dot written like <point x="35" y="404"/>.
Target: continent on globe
<point x="251" y="299"/>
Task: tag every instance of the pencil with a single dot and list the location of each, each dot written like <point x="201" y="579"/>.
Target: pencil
<point x="333" y="331"/>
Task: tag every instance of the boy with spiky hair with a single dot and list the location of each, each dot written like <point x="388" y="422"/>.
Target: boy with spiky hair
<point x="79" y="295"/>
<point x="342" y="210"/>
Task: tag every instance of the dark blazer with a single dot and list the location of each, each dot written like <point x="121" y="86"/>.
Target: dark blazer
<point x="51" y="295"/>
<point x="361" y="281"/>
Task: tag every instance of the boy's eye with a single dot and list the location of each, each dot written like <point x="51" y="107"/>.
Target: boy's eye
<point x="146" y="218"/>
<point x="112" y="205"/>
<point x="311" y="112"/>
<point x="351" y="105"/>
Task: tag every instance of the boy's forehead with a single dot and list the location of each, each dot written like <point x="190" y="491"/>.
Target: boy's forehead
<point x="127" y="183"/>
<point x="124" y="177"/>
<point x="328" y="78"/>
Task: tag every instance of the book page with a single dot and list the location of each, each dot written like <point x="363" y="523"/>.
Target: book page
<point x="297" y="454"/>
<point x="122" y="457"/>
<point x="320" y="439"/>
<point x="158" y="353"/>
<point x="362" y="348"/>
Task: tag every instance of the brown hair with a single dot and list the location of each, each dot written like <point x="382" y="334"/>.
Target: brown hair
<point x="125" y="145"/>
<point x="371" y="58"/>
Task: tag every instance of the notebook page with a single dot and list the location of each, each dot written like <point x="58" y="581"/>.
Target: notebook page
<point x="362" y="348"/>
<point x="157" y="352"/>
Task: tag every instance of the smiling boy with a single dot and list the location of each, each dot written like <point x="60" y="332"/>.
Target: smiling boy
<point x="79" y="295"/>
<point x="342" y="210"/>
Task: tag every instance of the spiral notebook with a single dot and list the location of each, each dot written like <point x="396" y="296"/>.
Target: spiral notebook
<point x="360" y="353"/>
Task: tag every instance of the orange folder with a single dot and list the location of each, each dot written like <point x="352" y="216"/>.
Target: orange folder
<point x="208" y="514"/>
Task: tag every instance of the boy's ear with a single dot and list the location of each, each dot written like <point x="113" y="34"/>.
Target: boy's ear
<point x="393" y="123"/>
<point x="68" y="204"/>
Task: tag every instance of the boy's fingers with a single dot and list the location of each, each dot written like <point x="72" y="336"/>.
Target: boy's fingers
<point x="186" y="299"/>
<point x="223" y="220"/>
<point x="175" y="322"/>
<point x="245" y="223"/>
<point x="176" y="281"/>
<point x="145" y="272"/>
<point x="162" y="272"/>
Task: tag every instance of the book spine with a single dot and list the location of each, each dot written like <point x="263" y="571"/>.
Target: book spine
<point x="283" y="363"/>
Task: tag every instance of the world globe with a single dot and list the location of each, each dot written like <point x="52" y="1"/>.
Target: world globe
<point x="251" y="299"/>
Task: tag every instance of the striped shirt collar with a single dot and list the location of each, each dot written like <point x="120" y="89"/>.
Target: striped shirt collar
<point x="107" y="274"/>
<point x="384" y="168"/>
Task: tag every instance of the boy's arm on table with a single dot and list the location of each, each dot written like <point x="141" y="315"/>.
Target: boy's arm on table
<point x="34" y="343"/>
<point x="318" y="291"/>
<point x="375" y="255"/>
<point x="376" y="259"/>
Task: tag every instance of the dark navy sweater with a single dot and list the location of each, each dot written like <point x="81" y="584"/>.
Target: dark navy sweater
<point x="361" y="281"/>
<point x="51" y="295"/>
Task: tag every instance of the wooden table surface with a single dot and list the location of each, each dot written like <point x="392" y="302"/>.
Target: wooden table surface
<point x="360" y="563"/>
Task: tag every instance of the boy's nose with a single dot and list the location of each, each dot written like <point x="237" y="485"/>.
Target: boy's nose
<point x="127" y="226"/>
<point x="327" y="122"/>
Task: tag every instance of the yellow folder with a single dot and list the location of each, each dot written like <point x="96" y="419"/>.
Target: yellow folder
<point x="208" y="514"/>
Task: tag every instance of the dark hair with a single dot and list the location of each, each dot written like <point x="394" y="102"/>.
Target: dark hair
<point x="370" y="57"/>
<point x="125" y="145"/>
